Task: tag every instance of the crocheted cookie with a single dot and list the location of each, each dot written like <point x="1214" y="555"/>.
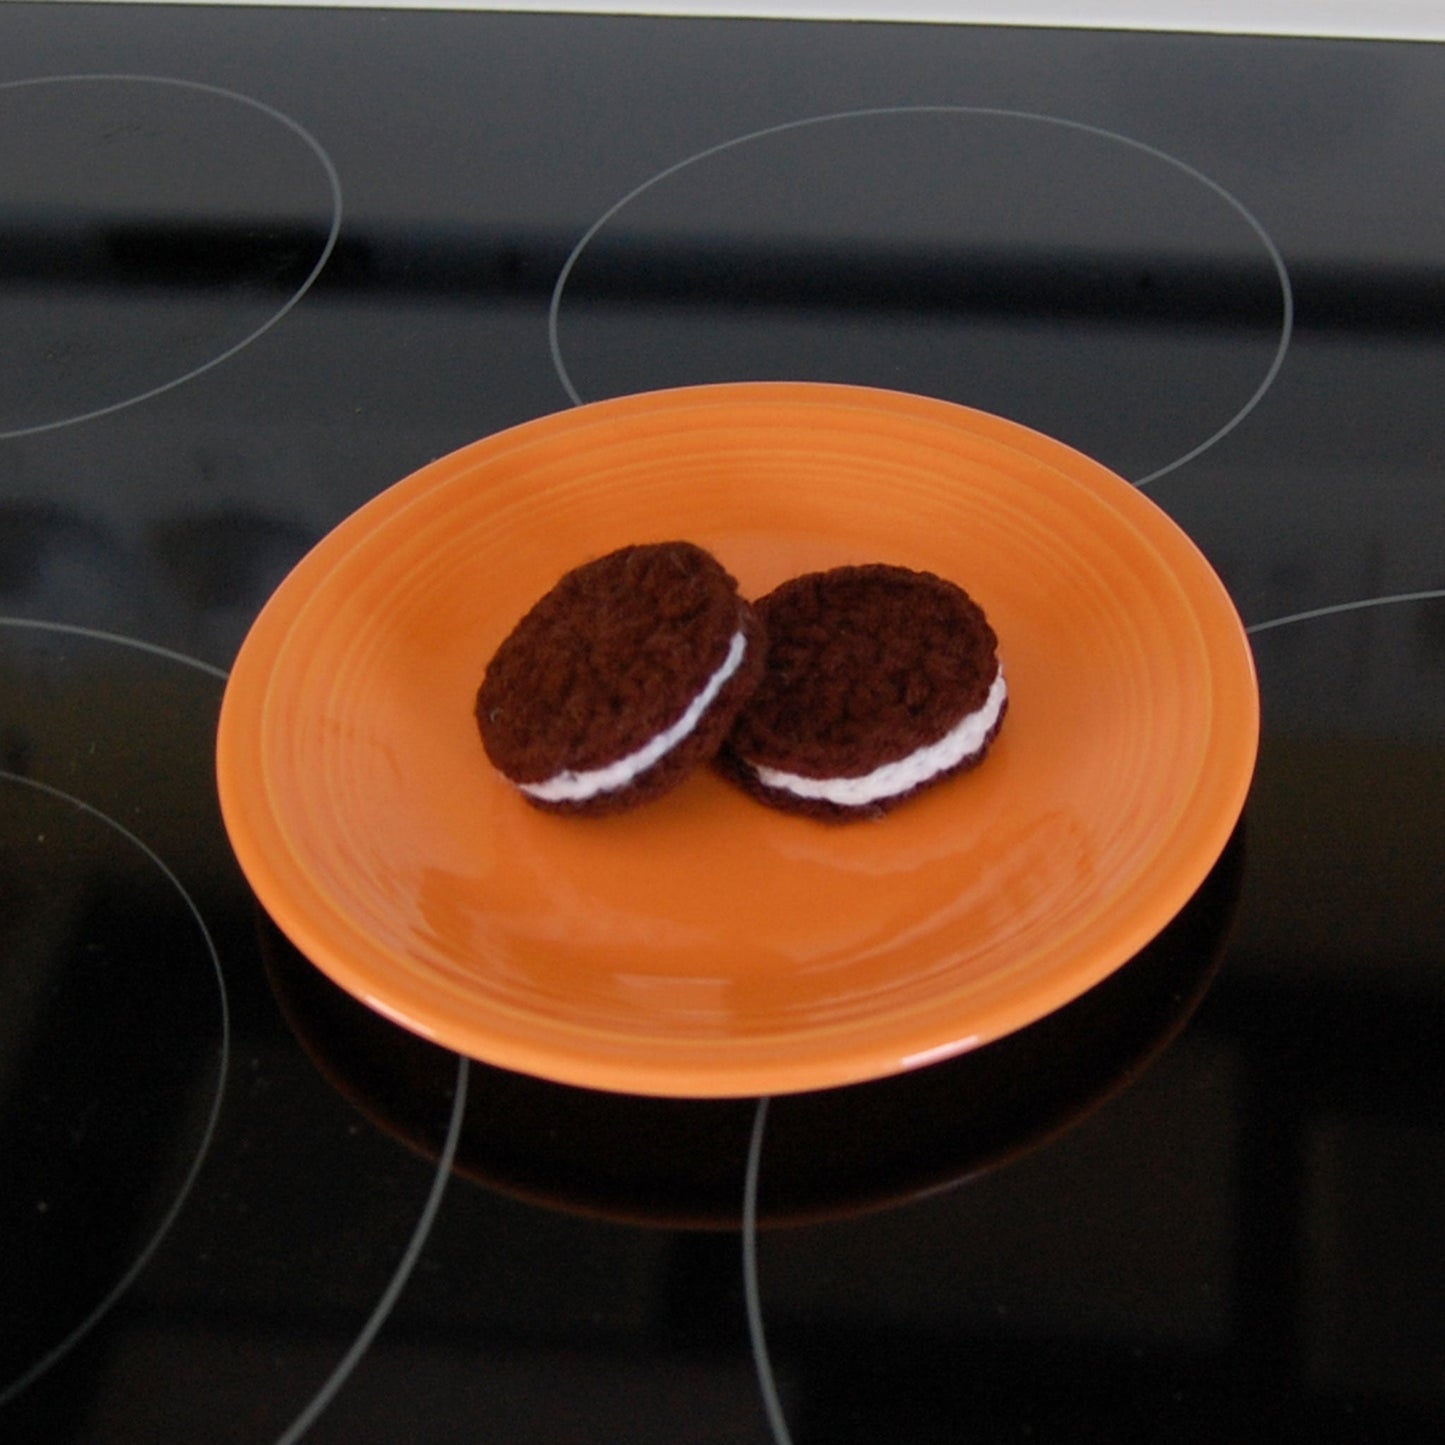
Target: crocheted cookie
<point x="880" y="681"/>
<point x="620" y="680"/>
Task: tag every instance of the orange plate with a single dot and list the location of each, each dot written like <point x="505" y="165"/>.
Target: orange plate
<point x="705" y="945"/>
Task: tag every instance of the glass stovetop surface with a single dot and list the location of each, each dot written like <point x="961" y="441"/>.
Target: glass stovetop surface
<point x="258" y="265"/>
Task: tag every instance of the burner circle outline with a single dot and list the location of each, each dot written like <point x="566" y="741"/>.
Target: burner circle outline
<point x="333" y="184"/>
<point x="1037" y="117"/>
<point x="421" y="1231"/>
<point x="59" y="1350"/>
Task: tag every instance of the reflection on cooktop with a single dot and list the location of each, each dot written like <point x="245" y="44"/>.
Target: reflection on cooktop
<point x="681" y="1163"/>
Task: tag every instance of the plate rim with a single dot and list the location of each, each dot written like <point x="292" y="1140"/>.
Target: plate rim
<point x="247" y="811"/>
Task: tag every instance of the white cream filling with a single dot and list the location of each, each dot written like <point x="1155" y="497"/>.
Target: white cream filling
<point x="573" y="787"/>
<point x="891" y="779"/>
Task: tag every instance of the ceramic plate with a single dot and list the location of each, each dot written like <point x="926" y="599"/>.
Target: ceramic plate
<point x="704" y="945"/>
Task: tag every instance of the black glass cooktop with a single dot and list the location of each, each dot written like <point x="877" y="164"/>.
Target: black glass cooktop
<point x="256" y="265"/>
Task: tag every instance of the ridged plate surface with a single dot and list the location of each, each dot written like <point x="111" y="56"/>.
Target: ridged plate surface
<point x="704" y="945"/>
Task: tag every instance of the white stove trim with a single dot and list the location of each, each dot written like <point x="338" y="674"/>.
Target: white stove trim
<point x="1348" y="19"/>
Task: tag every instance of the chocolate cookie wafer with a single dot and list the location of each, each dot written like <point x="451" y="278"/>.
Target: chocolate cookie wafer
<point x="880" y="682"/>
<point x="620" y="680"/>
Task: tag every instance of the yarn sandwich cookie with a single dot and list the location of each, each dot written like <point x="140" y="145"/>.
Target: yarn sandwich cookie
<point x="880" y="682"/>
<point x="621" y="680"/>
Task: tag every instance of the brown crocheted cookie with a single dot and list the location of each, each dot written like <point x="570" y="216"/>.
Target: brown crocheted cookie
<point x="621" y="680"/>
<point x="880" y="681"/>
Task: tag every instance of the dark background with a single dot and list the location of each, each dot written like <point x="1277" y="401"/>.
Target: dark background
<point x="257" y="265"/>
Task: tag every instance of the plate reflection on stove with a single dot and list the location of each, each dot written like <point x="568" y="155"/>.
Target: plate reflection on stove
<point x="680" y="1163"/>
